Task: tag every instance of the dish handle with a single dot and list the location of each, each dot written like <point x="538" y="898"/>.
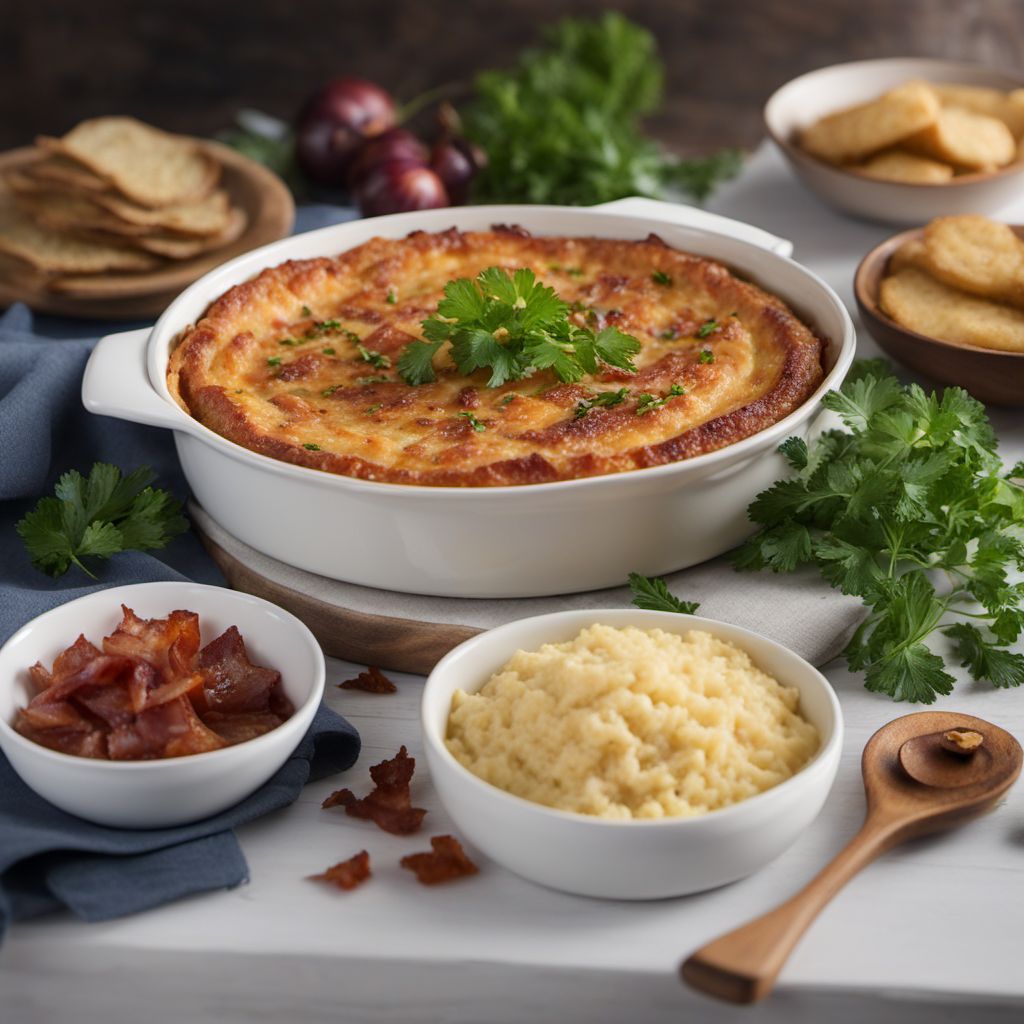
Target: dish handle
<point x="116" y="383"/>
<point x="693" y="217"/>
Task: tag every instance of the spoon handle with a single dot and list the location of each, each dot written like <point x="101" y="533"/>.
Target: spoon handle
<point x="741" y="966"/>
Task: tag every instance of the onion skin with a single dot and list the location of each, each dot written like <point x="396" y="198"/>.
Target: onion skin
<point x="456" y="162"/>
<point x="335" y="122"/>
<point x="394" y="144"/>
<point x="400" y="186"/>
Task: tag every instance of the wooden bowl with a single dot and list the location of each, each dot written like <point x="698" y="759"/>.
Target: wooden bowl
<point x="992" y="376"/>
<point x="269" y="210"/>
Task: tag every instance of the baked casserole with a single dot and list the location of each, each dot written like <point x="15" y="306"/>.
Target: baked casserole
<point x="300" y="363"/>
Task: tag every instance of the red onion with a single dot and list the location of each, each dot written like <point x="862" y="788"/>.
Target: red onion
<point x="394" y="144"/>
<point x="456" y="162"/>
<point x="398" y="186"/>
<point x="333" y="124"/>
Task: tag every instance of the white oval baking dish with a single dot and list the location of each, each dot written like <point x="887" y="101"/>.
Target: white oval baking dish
<point x="530" y="540"/>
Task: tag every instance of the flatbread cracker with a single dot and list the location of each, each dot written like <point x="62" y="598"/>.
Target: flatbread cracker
<point x="975" y="142"/>
<point x="851" y="135"/>
<point x="180" y="247"/>
<point x="60" y="211"/>
<point x="898" y="165"/>
<point x="150" y="167"/>
<point x="910" y="254"/>
<point x="57" y="170"/>
<point x="976" y="255"/>
<point x="1007" y="107"/>
<point x="922" y="304"/>
<point x="208" y="216"/>
<point x="53" y="252"/>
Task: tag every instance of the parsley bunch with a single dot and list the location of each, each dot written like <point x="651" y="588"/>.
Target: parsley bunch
<point x="512" y="325"/>
<point x="911" y="509"/>
<point x="563" y="125"/>
<point x="97" y="517"/>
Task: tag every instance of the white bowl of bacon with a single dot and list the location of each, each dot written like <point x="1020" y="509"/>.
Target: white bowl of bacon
<point x="181" y="701"/>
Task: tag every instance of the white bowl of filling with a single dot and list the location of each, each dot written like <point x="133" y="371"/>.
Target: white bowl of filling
<point x="630" y="754"/>
<point x="156" y="763"/>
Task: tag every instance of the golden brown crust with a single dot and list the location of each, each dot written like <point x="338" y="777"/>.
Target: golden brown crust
<point x="262" y="370"/>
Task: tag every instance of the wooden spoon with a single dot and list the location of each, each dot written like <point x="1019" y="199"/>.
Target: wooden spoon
<point x="922" y="773"/>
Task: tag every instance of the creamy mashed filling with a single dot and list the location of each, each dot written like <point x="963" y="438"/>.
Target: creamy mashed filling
<point x="630" y="723"/>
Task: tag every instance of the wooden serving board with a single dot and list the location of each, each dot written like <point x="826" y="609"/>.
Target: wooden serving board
<point x="261" y="194"/>
<point x="410" y="633"/>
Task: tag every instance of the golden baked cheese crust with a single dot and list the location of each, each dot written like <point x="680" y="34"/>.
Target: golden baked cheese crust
<point x="275" y="365"/>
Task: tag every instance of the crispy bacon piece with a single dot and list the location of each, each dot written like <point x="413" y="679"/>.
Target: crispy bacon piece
<point x="151" y="693"/>
<point x="372" y="681"/>
<point x="389" y="805"/>
<point x="234" y="683"/>
<point x="347" y="874"/>
<point x="170" y="644"/>
<point x="445" y="862"/>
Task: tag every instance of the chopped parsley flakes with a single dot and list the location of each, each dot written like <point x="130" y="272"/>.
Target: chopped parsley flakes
<point x="473" y="421"/>
<point x="706" y="355"/>
<point x="660" y="277"/>
<point x="603" y="399"/>
<point x="708" y="327"/>
<point x="311" y="447"/>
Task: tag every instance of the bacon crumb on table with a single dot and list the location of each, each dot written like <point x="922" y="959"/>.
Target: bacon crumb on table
<point x="372" y="681"/>
<point x="445" y="862"/>
<point x="389" y="805"/>
<point x="347" y="874"/>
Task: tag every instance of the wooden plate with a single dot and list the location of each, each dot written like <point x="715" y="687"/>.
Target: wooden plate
<point x="270" y="214"/>
<point x="991" y="375"/>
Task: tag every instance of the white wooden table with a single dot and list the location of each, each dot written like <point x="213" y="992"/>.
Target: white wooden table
<point x="933" y="932"/>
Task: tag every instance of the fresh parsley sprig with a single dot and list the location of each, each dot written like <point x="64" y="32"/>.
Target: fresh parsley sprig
<point x="911" y="509"/>
<point x="97" y="517"/>
<point x="512" y="325"/>
<point x="564" y="125"/>
<point x="653" y="594"/>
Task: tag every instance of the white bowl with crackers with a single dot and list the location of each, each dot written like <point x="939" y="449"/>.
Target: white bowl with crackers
<point x="903" y="140"/>
<point x="697" y="843"/>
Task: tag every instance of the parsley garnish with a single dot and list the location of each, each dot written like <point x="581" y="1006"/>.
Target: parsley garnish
<point x="911" y="509"/>
<point x="605" y="399"/>
<point x="373" y="408"/>
<point x="574" y="271"/>
<point x="668" y="334"/>
<point x="512" y="325"/>
<point x="377" y="378"/>
<point x="508" y="398"/>
<point x="289" y="341"/>
<point x="311" y="447"/>
<point x="328" y="391"/>
<point x="654" y="595"/>
<point x="328" y="351"/>
<point x="660" y="277"/>
<point x="273" y="360"/>
<point x="708" y="327"/>
<point x="647" y="402"/>
<point x="322" y="327"/>
<point x="306" y="311"/>
<point x="392" y="297"/>
<point x="373" y="357"/>
<point x="706" y="355"/>
<point x="473" y="421"/>
<point x="97" y="517"/>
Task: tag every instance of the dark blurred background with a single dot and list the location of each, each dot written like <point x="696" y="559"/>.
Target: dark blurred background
<point x="190" y="65"/>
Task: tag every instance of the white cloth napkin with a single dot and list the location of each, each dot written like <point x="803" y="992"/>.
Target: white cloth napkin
<point x="798" y="610"/>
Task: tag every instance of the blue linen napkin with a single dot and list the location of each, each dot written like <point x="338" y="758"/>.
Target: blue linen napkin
<point x="48" y="858"/>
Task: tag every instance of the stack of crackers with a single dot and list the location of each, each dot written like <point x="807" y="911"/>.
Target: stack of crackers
<point x="962" y="281"/>
<point x="923" y="133"/>
<point x="113" y="195"/>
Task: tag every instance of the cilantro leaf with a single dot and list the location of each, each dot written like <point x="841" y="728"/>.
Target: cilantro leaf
<point x="653" y="594"/>
<point x="97" y="517"/>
